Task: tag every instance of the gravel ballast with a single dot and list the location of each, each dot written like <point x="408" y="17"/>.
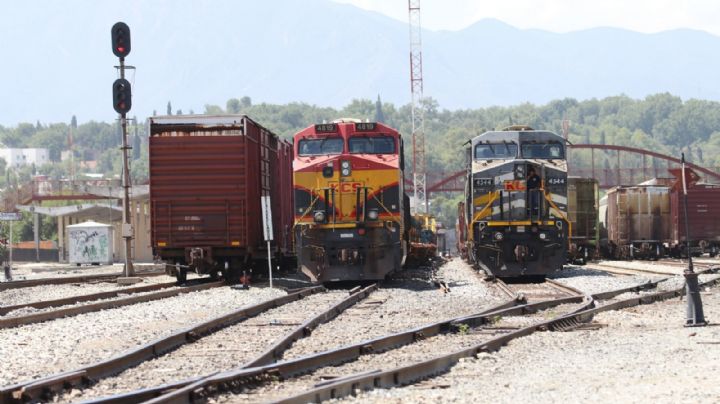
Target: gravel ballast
<point x="644" y="354"/>
<point x="11" y="297"/>
<point x="38" y="350"/>
<point x="398" y="306"/>
<point x="223" y="350"/>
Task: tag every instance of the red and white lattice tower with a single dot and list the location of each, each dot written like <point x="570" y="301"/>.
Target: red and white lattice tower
<point x="418" y="119"/>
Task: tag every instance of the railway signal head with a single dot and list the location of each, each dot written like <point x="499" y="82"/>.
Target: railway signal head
<point x="122" y="96"/>
<point x="120" y="34"/>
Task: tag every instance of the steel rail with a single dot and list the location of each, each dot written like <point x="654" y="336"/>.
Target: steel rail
<point x="636" y="271"/>
<point x="186" y="391"/>
<point x="86" y="298"/>
<point x="504" y="288"/>
<point x="563" y="287"/>
<point x="276" y="351"/>
<point x="425" y="369"/>
<point x="288" y="368"/>
<point x="33" y="390"/>
<point x="27" y="283"/>
<point x="16" y="321"/>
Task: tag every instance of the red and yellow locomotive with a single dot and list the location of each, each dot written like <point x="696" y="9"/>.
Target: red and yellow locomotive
<point x="350" y="204"/>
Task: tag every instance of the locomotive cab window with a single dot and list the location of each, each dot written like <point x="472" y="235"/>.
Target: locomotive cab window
<point x="318" y="147"/>
<point x="488" y="151"/>
<point x="372" y="145"/>
<point x="548" y="151"/>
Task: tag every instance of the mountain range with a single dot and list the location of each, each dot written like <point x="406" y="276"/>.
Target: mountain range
<point x="58" y="61"/>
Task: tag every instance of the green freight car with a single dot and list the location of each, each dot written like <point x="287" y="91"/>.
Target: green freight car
<point x="583" y="196"/>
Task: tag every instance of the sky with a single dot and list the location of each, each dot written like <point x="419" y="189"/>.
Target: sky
<point x="646" y="16"/>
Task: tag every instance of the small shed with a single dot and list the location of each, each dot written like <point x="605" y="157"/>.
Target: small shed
<point x="90" y="243"/>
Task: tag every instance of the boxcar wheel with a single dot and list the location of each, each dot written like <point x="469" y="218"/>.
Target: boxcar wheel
<point x="181" y="275"/>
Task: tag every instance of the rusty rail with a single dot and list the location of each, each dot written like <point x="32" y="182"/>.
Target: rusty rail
<point x="86" y="298"/>
<point x="200" y="387"/>
<point x="421" y="370"/>
<point x="35" y="389"/>
<point x="194" y="388"/>
<point x="275" y="352"/>
<point x="16" y="321"/>
<point x="563" y="287"/>
<point x="69" y="279"/>
<point x="290" y="368"/>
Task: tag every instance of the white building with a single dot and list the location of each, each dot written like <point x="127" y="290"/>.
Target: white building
<point x="23" y="157"/>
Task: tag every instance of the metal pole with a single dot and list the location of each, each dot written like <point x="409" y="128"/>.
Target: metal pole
<point x="269" y="264"/>
<point x="126" y="227"/>
<point x="36" y="235"/>
<point x="695" y="315"/>
<point x="11" y="245"/>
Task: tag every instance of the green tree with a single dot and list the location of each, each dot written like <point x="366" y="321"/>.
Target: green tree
<point x="233" y="106"/>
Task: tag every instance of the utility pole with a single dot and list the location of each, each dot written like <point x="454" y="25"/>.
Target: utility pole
<point x="122" y="102"/>
<point x="418" y="115"/>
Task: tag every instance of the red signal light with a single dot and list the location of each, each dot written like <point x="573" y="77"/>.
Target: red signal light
<point x="120" y="36"/>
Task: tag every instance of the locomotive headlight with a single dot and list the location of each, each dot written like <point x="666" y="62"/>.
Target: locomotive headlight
<point x="319" y="216"/>
<point x="373" y="214"/>
<point x="498" y="236"/>
<point x="345" y="168"/>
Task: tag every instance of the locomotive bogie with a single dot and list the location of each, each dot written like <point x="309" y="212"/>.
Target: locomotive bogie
<point x="348" y="254"/>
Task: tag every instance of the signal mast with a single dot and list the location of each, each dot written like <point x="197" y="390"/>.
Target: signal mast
<point x="418" y="116"/>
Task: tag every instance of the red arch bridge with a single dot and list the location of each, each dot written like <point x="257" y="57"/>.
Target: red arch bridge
<point x="606" y="164"/>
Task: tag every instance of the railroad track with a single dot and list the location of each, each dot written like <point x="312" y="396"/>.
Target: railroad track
<point x="414" y="370"/>
<point x="70" y="279"/>
<point x="617" y="269"/>
<point x="160" y="291"/>
<point x="547" y="289"/>
<point x="191" y="345"/>
<point x="316" y="377"/>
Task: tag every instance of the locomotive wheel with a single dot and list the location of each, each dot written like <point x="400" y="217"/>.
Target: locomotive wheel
<point x="181" y="275"/>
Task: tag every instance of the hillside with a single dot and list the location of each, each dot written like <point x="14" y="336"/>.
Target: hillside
<point x="194" y="53"/>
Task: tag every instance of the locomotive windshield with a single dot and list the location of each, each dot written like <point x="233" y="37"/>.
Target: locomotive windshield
<point x="549" y="151"/>
<point x="372" y="145"/>
<point x="317" y="147"/>
<point x="487" y="151"/>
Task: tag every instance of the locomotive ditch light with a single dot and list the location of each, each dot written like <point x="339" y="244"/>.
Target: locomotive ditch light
<point x="319" y="216"/>
<point x="345" y="168"/>
<point x="373" y="214"/>
<point x="542" y="236"/>
<point x="499" y="236"/>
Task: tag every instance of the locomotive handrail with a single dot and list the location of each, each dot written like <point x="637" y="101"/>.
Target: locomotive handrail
<point x="479" y="215"/>
<point x="562" y="215"/>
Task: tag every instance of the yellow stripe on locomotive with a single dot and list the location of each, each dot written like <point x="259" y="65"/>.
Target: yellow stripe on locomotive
<point x="349" y="205"/>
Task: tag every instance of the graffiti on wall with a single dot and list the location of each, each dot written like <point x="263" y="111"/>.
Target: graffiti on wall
<point x="88" y="246"/>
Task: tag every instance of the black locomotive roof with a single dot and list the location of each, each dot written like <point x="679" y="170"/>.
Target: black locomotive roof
<point x="520" y="136"/>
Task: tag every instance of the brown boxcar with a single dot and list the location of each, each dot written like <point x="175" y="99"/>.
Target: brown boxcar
<point x="207" y="176"/>
<point x="703" y="218"/>
<point x="583" y="195"/>
<point x="638" y="221"/>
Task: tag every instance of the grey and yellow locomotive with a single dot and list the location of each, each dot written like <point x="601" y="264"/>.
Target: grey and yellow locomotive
<point x="516" y="201"/>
